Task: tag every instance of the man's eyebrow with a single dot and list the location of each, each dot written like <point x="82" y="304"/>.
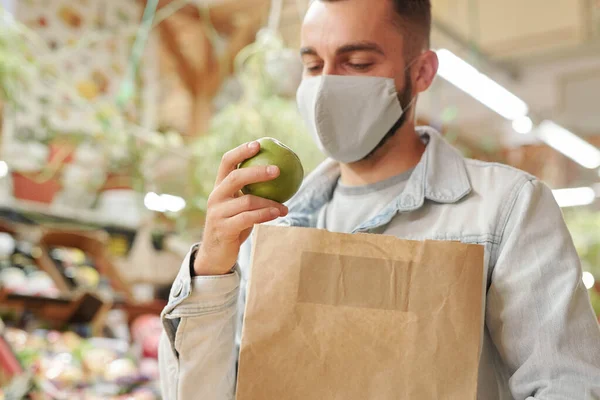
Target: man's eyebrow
<point x="308" y="51"/>
<point x="347" y="48"/>
<point x="359" y="46"/>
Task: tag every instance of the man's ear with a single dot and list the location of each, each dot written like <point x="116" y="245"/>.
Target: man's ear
<point x="426" y="70"/>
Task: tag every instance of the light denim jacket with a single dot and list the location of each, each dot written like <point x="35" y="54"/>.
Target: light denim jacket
<point x="540" y="337"/>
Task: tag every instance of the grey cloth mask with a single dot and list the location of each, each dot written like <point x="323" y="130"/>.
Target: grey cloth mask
<point x="349" y="115"/>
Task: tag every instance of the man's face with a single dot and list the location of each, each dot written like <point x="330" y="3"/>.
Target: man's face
<point x="354" y="37"/>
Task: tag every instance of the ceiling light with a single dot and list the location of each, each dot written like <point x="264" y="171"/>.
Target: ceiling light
<point x="522" y="125"/>
<point x="164" y="202"/>
<point x="173" y="203"/>
<point x="569" y="144"/>
<point x="467" y="78"/>
<point x="574" y="197"/>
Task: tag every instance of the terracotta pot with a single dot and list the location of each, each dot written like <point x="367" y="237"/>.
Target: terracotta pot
<point x="25" y="188"/>
<point x="64" y="150"/>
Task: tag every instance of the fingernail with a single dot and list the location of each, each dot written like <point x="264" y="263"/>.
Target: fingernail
<point x="274" y="212"/>
<point x="253" y="145"/>
<point x="272" y="170"/>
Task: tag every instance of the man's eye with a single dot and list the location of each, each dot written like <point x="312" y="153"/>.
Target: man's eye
<point x="313" y="68"/>
<point x="359" y="67"/>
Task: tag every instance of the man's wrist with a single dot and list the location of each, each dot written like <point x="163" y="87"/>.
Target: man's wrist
<point x="198" y="266"/>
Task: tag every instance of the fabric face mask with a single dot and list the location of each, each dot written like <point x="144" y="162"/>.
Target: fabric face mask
<point x="349" y="115"/>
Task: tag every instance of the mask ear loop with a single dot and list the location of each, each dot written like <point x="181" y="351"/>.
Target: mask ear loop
<point x="411" y="102"/>
<point x="402" y="117"/>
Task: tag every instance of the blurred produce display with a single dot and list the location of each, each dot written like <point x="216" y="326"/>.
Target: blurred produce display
<point x="63" y="365"/>
<point x="76" y="267"/>
<point x="19" y="272"/>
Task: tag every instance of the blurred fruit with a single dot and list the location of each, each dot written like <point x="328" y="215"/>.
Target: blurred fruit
<point x="7" y="244"/>
<point x="87" y="277"/>
<point x="144" y="325"/>
<point x="40" y="283"/>
<point x="101" y="81"/>
<point x="88" y="89"/>
<point x="150" y="345"/>
<point x="149" y="368"/>
<point x="70" y="16"/>
<point x="282" y="188"/>
<point x="13" y="279"/>
<point x="95" y="360"/>
<point x="120" y="369"/>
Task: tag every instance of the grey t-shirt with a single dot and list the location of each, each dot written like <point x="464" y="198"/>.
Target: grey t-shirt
<point x="351" y="206"/>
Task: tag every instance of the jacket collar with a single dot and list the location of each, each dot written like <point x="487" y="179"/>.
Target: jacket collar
<point x="440" y="176"/>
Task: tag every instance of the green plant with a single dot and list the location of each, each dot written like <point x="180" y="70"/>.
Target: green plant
<point x="583" y="225"/>
<point x="15" y="66"/>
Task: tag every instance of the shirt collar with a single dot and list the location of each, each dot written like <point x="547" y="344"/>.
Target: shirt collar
<point x="440" y="176"/>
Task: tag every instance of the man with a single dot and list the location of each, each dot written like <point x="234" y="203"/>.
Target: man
<point x="365" y="64"/>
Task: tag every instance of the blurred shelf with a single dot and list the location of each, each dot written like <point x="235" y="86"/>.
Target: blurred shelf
<point x="77" y="217"/>
<point x="82" y="307"/>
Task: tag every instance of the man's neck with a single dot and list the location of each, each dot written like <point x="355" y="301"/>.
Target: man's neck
<point x="402" y="152"/>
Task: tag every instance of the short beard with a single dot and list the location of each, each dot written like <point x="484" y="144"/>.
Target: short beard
<point x="404" y="98"/>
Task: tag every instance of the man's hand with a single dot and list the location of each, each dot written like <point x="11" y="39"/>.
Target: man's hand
<point x="230" y="215"/>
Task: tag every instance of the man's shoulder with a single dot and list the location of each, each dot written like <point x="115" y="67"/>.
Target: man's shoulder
<point x="495" y="176"/>
<point x="495" y="187"/>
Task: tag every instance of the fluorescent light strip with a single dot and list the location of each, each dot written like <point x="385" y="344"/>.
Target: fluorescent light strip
<point x="569" y="144"/>
<point x="574" y="197"/>
<point x="467" y="78"/>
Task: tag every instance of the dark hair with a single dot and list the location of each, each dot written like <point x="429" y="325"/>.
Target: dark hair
<point x="414" y="18"/>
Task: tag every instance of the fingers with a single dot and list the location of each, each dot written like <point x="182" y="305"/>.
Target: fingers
<point x="234" y="157"/>
<point x="249" y="203"/>
<point x="248" y="219"/>
<point x="237" y="179"/>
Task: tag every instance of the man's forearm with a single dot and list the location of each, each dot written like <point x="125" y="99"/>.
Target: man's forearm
<point x="197" y="351"/>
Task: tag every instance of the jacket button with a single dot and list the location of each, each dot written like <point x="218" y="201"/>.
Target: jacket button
<point x="177" y="288"/>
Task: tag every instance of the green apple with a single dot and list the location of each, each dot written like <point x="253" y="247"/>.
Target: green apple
<point x="282" y="188"/>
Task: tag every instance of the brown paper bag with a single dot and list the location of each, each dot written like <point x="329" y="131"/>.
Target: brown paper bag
<point x="360" y="317"/>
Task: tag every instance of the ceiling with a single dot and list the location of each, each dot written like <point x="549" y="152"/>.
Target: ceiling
<point x="548" y="56"/>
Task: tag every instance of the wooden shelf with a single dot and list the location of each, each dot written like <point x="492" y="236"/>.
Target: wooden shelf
<point x="58" y="311"/>
<point x="93" y="244"/>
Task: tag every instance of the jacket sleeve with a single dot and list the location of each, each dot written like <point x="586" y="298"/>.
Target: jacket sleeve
<point x="198" y="352"/>
<point x="538" y="310"/>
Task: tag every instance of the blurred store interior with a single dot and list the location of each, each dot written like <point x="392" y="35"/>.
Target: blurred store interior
<point x="115" y="115"/>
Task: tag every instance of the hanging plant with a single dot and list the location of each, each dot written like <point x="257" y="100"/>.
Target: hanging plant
<point x="265" y="109"/>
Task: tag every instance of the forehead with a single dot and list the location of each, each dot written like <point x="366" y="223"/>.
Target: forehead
<point x="332" y="24"/>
